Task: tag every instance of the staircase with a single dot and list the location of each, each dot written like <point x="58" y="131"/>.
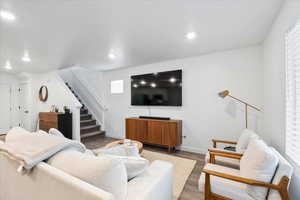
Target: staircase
<point x="88" y="125"/>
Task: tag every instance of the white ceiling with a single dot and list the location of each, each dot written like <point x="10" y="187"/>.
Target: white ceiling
<point x="61" y="33"/>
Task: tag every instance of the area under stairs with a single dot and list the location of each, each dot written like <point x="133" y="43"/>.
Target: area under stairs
<point x="88" y="125"/>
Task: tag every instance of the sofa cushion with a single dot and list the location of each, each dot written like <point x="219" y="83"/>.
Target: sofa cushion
<point x="13" y="137"/>
<point x="54" y="131"/>
<point x="244" y="140"/>
<point x="225" y="187"/>
<point x="284" y="169"/>
<point x="135" y="165"/>
<point x="258" y="163"/>
<point x="103" y="172"/>
<point x="156" y="183"/>
<point x="44" y="182"/>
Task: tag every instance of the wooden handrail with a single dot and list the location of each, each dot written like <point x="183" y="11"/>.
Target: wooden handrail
<point x="212" y="156"/>
<point x="282" y="187"/>
<point x="241" y="179"/>
<point x="225" y="152"/>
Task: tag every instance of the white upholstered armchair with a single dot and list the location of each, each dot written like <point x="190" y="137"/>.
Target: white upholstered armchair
<point x="230" y="158"/>
<point x="264" y="174"/>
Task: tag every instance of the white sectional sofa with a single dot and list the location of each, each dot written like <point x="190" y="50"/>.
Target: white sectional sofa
<point x="45" y="182"/>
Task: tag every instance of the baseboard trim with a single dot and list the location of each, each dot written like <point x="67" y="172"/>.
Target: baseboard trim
<point x="183" y="148"/>
<point x="193" y="149"/>
<point x="113" y="136"/>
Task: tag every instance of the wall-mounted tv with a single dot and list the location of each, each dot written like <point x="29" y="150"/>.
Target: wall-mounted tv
<point x="157" y="89"/>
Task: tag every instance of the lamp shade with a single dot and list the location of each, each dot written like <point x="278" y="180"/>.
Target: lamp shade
<point x="224" y="93"/>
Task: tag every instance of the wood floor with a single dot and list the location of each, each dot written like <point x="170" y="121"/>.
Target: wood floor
<point x="190" y="191"/>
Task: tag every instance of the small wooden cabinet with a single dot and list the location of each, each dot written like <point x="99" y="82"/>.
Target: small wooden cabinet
<point x="158" y="132"/>
<point x="60" y="121"/>
<point x="2" y="137"/>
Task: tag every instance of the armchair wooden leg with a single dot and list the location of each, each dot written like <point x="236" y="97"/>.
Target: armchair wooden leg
<point x="207" y="194"/>
<point x="283" y="185"/>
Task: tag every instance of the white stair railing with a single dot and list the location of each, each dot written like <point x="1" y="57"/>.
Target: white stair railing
<point x="90" y="98"/>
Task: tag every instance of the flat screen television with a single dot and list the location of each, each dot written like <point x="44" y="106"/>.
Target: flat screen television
<point x="157" y="89"/>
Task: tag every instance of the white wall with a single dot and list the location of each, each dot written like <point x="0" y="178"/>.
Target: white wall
<point x="59" y="95"/>
<point x="204" y="114"/>
<point x="274" y="83"/>
<point x="6" y="78"/>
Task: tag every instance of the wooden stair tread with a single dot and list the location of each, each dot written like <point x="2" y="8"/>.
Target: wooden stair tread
<point x="88" y="127"/>
<point x="87" y="120"/>
<point x="84" y="111"/>
<point x="92" y="134"/>
<point x="85" y="115"/>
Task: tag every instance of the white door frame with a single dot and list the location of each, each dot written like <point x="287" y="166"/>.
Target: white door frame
<point x="27" y="124"/>
<point x="10" y="102"/>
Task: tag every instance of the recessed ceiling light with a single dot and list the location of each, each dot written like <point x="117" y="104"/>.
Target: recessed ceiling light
<point x="7" y="15"/>
<point x="112" y="56"/>
<point x="172" y="80"/>
<point x="153" y="85"/>
<point x="7" y="65"/>
<point x="135" y="85"/>
<point x="26" y="57"/>
<point x="143" y="82"/>
<point x="191" y="35"/>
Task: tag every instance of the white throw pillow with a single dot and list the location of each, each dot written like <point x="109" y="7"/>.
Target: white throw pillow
<point x="103" y="172"/>
<point x="135" y="165"/>
<point x="41" y="132"/>
<point x="89" y="152"/>
<point x="259" y="163"/>
<point x="18" y="130"/>
<point x="12" y="137"/>
<point x="120" y="150"/>
<point x="129" y="155"/>
<point x="54" y="131"/>
<point x="244" y="140"/>
<point x="1" y="142"/>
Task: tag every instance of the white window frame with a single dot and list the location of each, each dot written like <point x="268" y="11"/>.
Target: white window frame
<point x="292" y="105"/>
<point x="117" y="86"/>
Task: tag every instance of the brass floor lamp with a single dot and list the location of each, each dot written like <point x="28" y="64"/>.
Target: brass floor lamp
<point x="226" y="93"/>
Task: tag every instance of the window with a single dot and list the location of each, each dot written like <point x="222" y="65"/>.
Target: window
<point x="292" y="144"/>
<point x="117" y="87"/>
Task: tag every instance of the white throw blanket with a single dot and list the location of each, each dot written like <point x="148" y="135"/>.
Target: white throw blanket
<point x="29" y="149"/>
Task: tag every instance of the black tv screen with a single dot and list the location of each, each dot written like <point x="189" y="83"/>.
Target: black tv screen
<point x="157" y="89"/>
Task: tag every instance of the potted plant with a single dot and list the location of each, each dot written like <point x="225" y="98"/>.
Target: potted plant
<point x="67" y="109"/>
